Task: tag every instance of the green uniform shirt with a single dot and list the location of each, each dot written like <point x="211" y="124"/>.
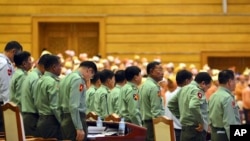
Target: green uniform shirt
<point x="113" y="99"/>
<point x="47" y="95"/>
<point x="190" y="105"/>
<point x="72" y="97"/>
<point x="90" y="98"/>
<point x="223" y="110"/>
<point x="28" y="91"/>
<point x="128" y="103"/>
<point x="101" y="106"/>
<point x="151" y="102"/>
<point x="16" y="85"/>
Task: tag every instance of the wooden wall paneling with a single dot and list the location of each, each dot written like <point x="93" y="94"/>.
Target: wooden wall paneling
<point x="18" y="19"/>
<point x="178" y="28"/>
<point x="174" y="47"/>
<point x="184" y="38"/>
<point x="178" y="19"/>
<point x="239" y="9"/>
<point x="17" y="28"/>
<point x="182" y="57"/>
<point x="65" y="2"/>
<point x="112" y="9"/>
<point x="24" y="38"/>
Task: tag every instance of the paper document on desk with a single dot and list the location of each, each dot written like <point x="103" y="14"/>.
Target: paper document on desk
<point x="95" y="130"/>
<point x="92" y="136"/>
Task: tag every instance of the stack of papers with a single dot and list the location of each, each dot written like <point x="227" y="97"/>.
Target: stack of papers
<point x="95" y="130"/>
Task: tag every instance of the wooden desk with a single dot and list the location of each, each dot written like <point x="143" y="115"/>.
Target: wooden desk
<point x="133" y="132"/>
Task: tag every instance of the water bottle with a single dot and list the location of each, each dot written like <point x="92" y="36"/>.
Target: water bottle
<point x="121" y="130"/>
<point x="99" y="122"/>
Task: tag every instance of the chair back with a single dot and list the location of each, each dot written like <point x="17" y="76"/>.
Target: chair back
<point x="163" y="129"/>
<point x="13" y="123"/>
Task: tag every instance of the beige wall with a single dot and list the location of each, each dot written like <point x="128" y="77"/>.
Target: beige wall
<point x="176" y="30"/>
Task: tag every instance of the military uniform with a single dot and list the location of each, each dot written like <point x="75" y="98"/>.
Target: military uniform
<point x="90" y="98"/>
<point x="6" y="72"/>
<point x="72" y="103"/>
<point x="151" y="105"/>
<point x="128" y="104"/>
<point x="191" y="106"/>
<point x="16" y="85"/>
<point x="113" y="99"/>
<point x="223" y="112"/>
<point x="100" y="104"/>
<point x="48" y="125"/>
<point x="29" y="110"/>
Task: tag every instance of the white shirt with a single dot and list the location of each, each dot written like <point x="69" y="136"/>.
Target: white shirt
<point x="169" y="95"/>
<point x="6" y="71"/>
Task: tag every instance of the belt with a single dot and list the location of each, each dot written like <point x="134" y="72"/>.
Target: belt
<point x="82" y="115"/>
<point x="218" y="128"/>
<point x="27" y="113"/>
<point x="47" y="116"/>
<point x="189" y="127"/>
<point x="177" y="129"/>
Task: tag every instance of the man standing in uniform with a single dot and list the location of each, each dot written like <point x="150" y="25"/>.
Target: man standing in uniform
<point x="72" y="92"/>
<point x="115" y="93"/>
<point x="101" y="94"/>
<point x="190" y="105"/>
<point x="150" y="100"/>
<point x="90" y="93"/>
<point x="129" y="96"/>
<point x="23" y="64"/>
<point x="223" y="109"/>
<point x="48" y="125"/>
<point x="183" y="77"/>
<point x="6" y="71"/>
<point x="29" y="110"/>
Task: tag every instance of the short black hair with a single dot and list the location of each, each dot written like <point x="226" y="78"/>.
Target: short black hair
<point x="151" y="66"/>
<point x="95" y="77"/>
<point x="183" y="75"/>
<point x="20" y="57"/>
<point x="105" y="75"/>
<point x="51" y="60"/>
<point x="131" y="71"/>
<point x="120" y="76"/>
<point x="13" y="45"/>
<point x="225" y="75"/>
<point x="42" y="60"/>
<point x="89" y="64"/>
<point x="203" y="76"/>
